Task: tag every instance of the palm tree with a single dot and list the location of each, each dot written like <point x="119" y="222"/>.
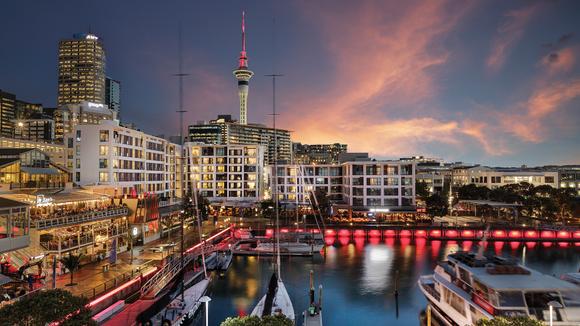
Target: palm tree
<point x="72" y="263"/>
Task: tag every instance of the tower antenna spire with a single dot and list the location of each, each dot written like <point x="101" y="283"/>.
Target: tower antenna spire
<point x="243" y="75"/>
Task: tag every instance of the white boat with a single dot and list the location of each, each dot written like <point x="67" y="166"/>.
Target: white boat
<point x="181" y="312"/>
<point x="224" y="259"/>
<point x="469" y="287"/>
<point x="288" y="248"/>
<point x="276" y="301"/>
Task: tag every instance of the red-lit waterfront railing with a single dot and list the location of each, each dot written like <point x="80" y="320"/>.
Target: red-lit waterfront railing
<point x="446" y="233"/>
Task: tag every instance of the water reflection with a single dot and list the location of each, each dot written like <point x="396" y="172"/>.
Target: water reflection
<point x="359" y="276"/>
<point x="378" y="261"/>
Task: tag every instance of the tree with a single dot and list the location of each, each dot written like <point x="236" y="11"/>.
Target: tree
<point x="421" y="190"/>
<point x="321" y="198"/>
<point x="203" y="206"/>
<point x="267" y="208"/>
<point x="279" y="320"/>
<point x="509" y="321"/>
<point x="44" y="307"/>
<point x="473" y="192"/>
<point x="436" y="205"/>
<point x="564" y="200"/>
<point x="72" y="263"/>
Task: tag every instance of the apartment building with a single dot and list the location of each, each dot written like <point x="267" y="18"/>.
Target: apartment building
<point x="375" y="185"/>
<point x="122" y="161"/>
<point x="497" y="177"/>
<point x="226" y="173"/>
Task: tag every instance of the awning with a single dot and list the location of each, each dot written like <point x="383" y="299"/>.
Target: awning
<point x="39" y="170"/>
<point x="5" y="279"/>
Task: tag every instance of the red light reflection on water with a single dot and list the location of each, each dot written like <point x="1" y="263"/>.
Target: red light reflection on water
<point x="329" y="240"/>
<point x="514" y="245"/>
<point x="359" y="243"/>
<point x="374" y="240"/>
<point x="530" y="244"/>
<point x="546" y="244"/>
<point x="435" y="247"/>
<point x="390" y="242"/>
<point x="563" y="244"/>
<point x="344" y="240"/>
<point x="498" y="246"/>
<point x="466" y="245"/>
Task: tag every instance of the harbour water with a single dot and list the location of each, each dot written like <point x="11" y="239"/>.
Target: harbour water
<point x="360" y="277"/>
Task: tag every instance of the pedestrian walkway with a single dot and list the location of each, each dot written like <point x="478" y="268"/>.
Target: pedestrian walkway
<point x="93" y="278"/>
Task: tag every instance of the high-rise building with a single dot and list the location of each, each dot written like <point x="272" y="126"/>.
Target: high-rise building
<point x="243" y="75"/>
<point x="7" y="113"/>
<point x="67" y="117"/>
<point x="81" y="70"/>
<point x="113" y="95"/>
<point x="224" y="131"/>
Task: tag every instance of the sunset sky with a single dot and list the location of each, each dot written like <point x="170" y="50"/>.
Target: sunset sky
<point x="492" y="82"/>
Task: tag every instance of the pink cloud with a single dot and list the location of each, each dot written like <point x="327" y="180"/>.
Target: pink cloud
<point x="559" y="61"/>
<point x="527" y="121"/>
<point x="385" y="56"/>
<point x="508" y="34"/>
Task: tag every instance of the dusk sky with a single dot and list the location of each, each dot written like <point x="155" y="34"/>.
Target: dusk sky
<point x="492" y="82"/>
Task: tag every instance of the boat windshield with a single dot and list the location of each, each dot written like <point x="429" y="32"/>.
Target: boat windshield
<point x="511" y="298"/>
<point x="537" y="303"/>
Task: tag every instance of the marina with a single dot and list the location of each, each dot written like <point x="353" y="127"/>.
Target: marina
<point x="359" y="277"/>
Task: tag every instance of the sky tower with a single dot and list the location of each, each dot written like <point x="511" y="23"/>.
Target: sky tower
<point x="243" y="75"/>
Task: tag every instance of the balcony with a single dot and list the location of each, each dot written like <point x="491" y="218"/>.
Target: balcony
<point x="72" y="219"/>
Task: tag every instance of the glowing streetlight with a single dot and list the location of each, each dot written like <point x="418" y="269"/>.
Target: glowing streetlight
<point x="206" y="300"/>
<point x="553" y="304"/>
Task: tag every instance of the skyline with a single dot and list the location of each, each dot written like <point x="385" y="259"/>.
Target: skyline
<point x="493" y="83"/>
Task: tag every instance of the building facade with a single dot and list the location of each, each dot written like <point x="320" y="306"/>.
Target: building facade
<point x="7" y="113"/>
<point x="122" y="161"/>
<point x="497" y="177"/>
<point x="113" y="95"/>
<point x="225" y="173"/>
<point x="81" y="70"/>
<point x="373" y="185"/>
<point x="225" y="131"/>
<point x="56" y="152"/>
<point x="68" y="116"/>
<point x="318" y="153"/>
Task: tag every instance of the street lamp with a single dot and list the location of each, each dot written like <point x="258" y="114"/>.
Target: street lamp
<point x="206" y="300"/>
<point x="553" y="304"/>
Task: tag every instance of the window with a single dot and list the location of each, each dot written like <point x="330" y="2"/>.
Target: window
<point x="78" y="163"/>
<point x="357" y="170"/>
<point x="78" y="176"/>
<point x="103" y="163"/>
<point x="373" y="191"/>
<point x="549" y="179"/>
<point x="103" y="177"/>
<point x="103" y="150"/>
<point x="78" y="135"/>
<point x="103" y="136"/>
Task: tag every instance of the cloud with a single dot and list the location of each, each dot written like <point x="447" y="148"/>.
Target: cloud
<point x="380" y="98"/>
<point x="529" y="119"/>
<point x="508" y="34"/>
<point x="559" y="61"/>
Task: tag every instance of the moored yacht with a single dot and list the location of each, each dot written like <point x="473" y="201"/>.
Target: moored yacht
<point x="469" y="287"/>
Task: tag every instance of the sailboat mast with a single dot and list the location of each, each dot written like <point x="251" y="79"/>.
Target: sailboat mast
<point x="275" y="181"/>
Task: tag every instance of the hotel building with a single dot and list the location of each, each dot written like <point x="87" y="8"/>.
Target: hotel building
<point x="67" y="117"/>
<point x="81" y="70"/>
<point x="226" y="173"/>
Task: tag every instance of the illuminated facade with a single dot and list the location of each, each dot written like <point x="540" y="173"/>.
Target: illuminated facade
<point x="67" y="117"/>
<point x="122" y="161"/>
<point x="224" y="131"/>
<point x="383" y="185"/>
<point x="497" y="177"/>
<point x="226" y="173"/>
<point x="29" y="168"/>
<point x="243" y="75"/>
<point x="81" y="70"/>
<point x="7" y="113"/>
<point x="318" y="153"/>
<point x="56" y="152"/>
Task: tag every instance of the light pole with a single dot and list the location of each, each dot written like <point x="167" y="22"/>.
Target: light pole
<point x="553" y="304"/>
<point x="206" y="300"/>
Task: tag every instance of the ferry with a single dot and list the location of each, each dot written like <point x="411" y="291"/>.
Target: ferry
<point x="469" y="287"/>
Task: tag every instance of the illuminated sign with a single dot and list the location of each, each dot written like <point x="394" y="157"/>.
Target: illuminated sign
<point x="43" y="201"/>
<point x="91" y="37"/>
<point x="380" y="210"/>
